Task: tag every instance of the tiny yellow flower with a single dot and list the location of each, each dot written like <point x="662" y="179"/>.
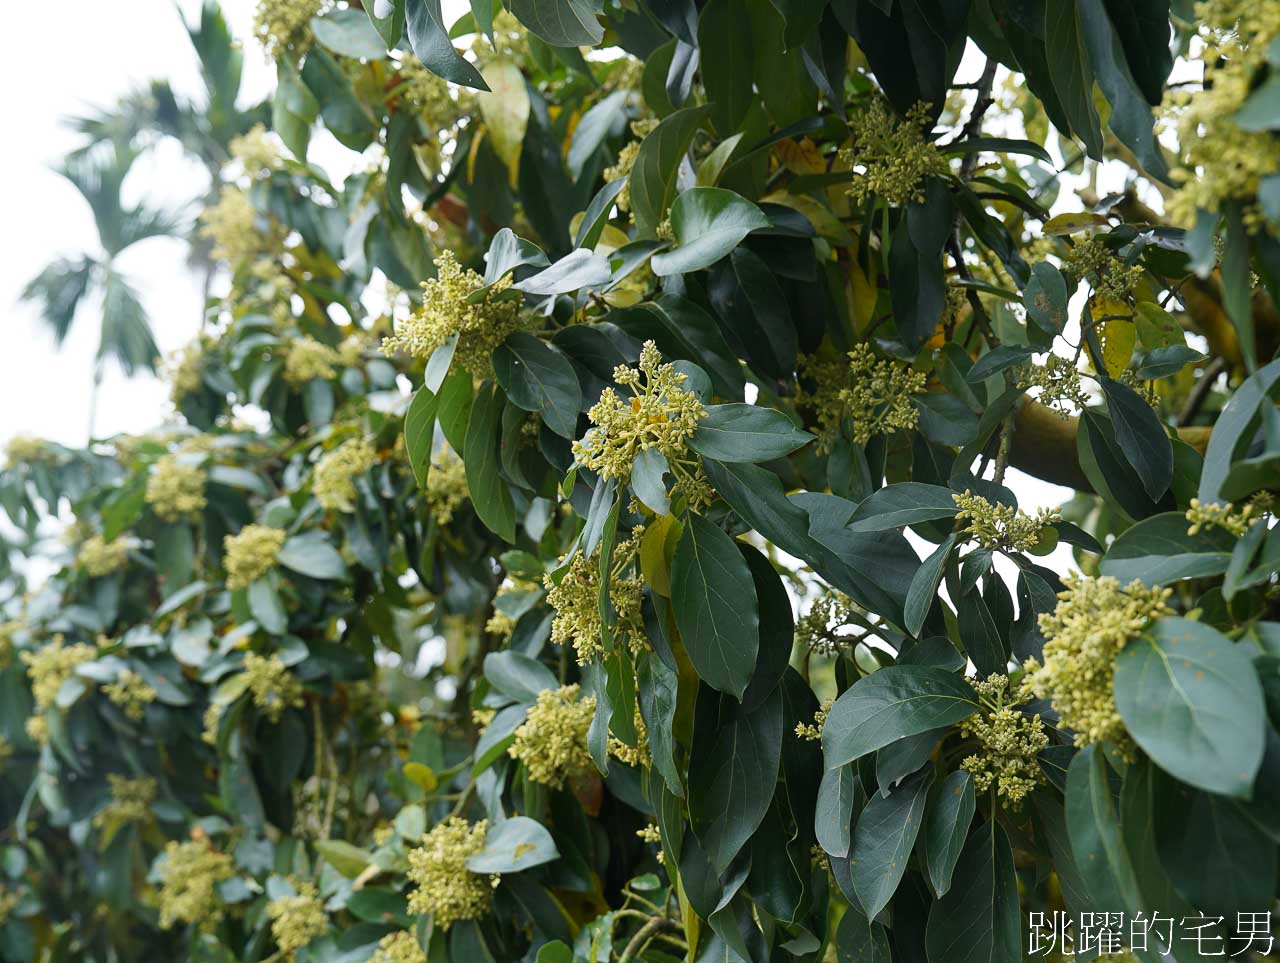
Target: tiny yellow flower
<point x="307" y="359"/>
<point x="443" y="886"/>
<point x="99" y="558"/>
<point x="189" y="876"/>
<point x="250" y="554"/>
<point x="175" y="488"/>
<point x="551" y="743"/>
<point x="273" y="686"/>
<point x="298" y="919"/>
<point x="335" y="473"/>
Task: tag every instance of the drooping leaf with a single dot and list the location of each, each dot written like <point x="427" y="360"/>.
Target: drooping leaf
<point x="746" y="433"/>
<point x="536" y="376"/>
<point x="708" y="222"/>
<point x="715" y="606"/>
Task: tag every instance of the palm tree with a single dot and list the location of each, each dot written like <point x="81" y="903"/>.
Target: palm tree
<point x="70" y="283"/>
<point x="114" y="137"/>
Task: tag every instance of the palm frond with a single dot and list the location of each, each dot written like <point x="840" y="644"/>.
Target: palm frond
<point x="126" y="330"/>
<point x="59" y="290"/>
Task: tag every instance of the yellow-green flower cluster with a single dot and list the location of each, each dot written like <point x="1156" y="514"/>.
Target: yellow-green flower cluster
<point x="131" y="693"/>
<point x="1093" y="621"/>
<point x="1059" y="382"/>
<point x="890" y="158"/>
<point x="234" y="228"/>
<point x="131" y="801"/>
<point x="510" y="41"/>
<point x="445" y="311"/>
<point x="1009" y="741"/>
<point x="427" y="93"/>
<point x="273" y="686"/>
<point x="576" y="602"/>
<point x="175" y="488"/>
<point x="640" y="129"/>
<point x="251" y="554"/>
<point x="660" y="414"/>
<point x="26" y="450"/>
<point x="399" y="947"/>
<point x="1106" y="273"/>
<point x="1237" y="521"/>
<point x="51" y="665"/>
<point x="446" y="485"/>
<point x="256" y="150"/>
<point x="819" y="628"/>
<point x="872" y="396"/>
<point x="334" y="486"/>
<point x="98" y="557"/>
<point x="9" y="900"/>
<point x="189" y="877"/>
<point x="638" y="755"/>
<point x="284" y="26"/>
<point x="1224" y="162"/>
<point x="184" y="369"/>
<point x="443" y="886"/>
<point x="298" y="919"/>
<point x="1000" y="526"/>
<point x="307" y="359"/>
<point x="552" y="741"/>
<point x="813" y="731"/>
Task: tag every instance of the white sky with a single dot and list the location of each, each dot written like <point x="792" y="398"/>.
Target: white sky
<point x="44" y="392"/>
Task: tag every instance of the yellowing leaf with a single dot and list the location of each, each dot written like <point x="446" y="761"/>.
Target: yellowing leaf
<point x="505" y="109"/>
<point x="1157" y="328"/>
<point x="1118" y="334"/>
<point x="421" y="776"/>
<point x="1073" y="223"/>
<point x="653" y="557"/>
<point x="800" y="156"/>
<point x="823" y="220"/>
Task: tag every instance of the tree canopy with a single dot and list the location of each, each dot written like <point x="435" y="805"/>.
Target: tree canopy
<point x="584" y="530"/>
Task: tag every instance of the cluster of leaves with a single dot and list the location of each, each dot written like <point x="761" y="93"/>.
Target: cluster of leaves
<point x="726" y="323"/>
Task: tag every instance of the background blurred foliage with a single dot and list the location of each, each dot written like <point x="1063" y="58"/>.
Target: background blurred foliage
<point x="525" y="572"/>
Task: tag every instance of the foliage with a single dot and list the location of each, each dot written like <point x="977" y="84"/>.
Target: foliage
<point x="583" y="533"/>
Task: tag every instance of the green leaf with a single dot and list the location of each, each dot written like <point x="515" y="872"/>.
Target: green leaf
<point x="490" y="495"/>
<point x="883" y="839"/>
<point x="906" y="503"/>
<point x="978" y="920"/>
<point x="999" y="145"/>
<point x="747" y="433"/>
<point x="1072" y="73"/>
<point x="1131" y="117"/>
<point x="311" y="554"/>
<point x="709" y="222"/>
<point x="1097" y="844"/>
<point x="924" y="585"/>
<point x="265" y="604"/>
<point x="724" y="45"/>
<point x="578" y="269"/>
<point x="431" y="44"/>
<point x="537" y="377"/>
<point x="715" y="606"/>
<point x="733" y="769"/>
<point x="653" y="176"/>
<point x="1158" y="550"/>
<point x="294" y="109"/>
<point x="997" y="360"/>
<point x="1191" y="699"/>
<point x="859" y="940"/>
<point x="347" y="859"/>
<point x="517" y="675"/>
<point x="952" y="803"/>
<point x="514" y="845"/>
<point x="603" y="120"/>
<point x="1045" y="298"/>
<point x="419" y="434"/>
<point x="896" y="701"/>
<point x="349" y="33"/>
<point x="1234" y="430"/>
<point x="647" y="480"/>
<point x="387" y="17"/>
<point x="1141" y="437"/>
<point x="561" y="23"/>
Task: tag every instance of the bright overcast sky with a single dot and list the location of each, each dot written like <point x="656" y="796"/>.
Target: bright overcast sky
<point x="44" y="392"/>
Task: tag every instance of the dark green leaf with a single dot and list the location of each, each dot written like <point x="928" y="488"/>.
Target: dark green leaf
<point x="896" y="701"/>
<point x="978" y="920"/>
<point x="715" y="606"/>
<point x="561" y="23"/>
<point x="490" y="495"/>
<point x="1141" y="437"/>
<point x="906" y="503"/>
<point x="747" y="433"/>
<point x="952" y="803"/>
<point x="419" y="432"/>
<point x="537" y="377"/>
<point x="883" y="839"/>
<point x="1191" y="699"/>
<point x="431" y="44"/>
<point x="1158" y="550"/>
<point x="924" y="585"/>
<point x="311" y="554"/>
<point x="653" y="176"/>
<point x="708" y="223"/>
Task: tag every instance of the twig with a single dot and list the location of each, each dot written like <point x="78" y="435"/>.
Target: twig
<point x="643" y="935"/>
<point x="1201" y="391"/>
<point x="973" y="126"/>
